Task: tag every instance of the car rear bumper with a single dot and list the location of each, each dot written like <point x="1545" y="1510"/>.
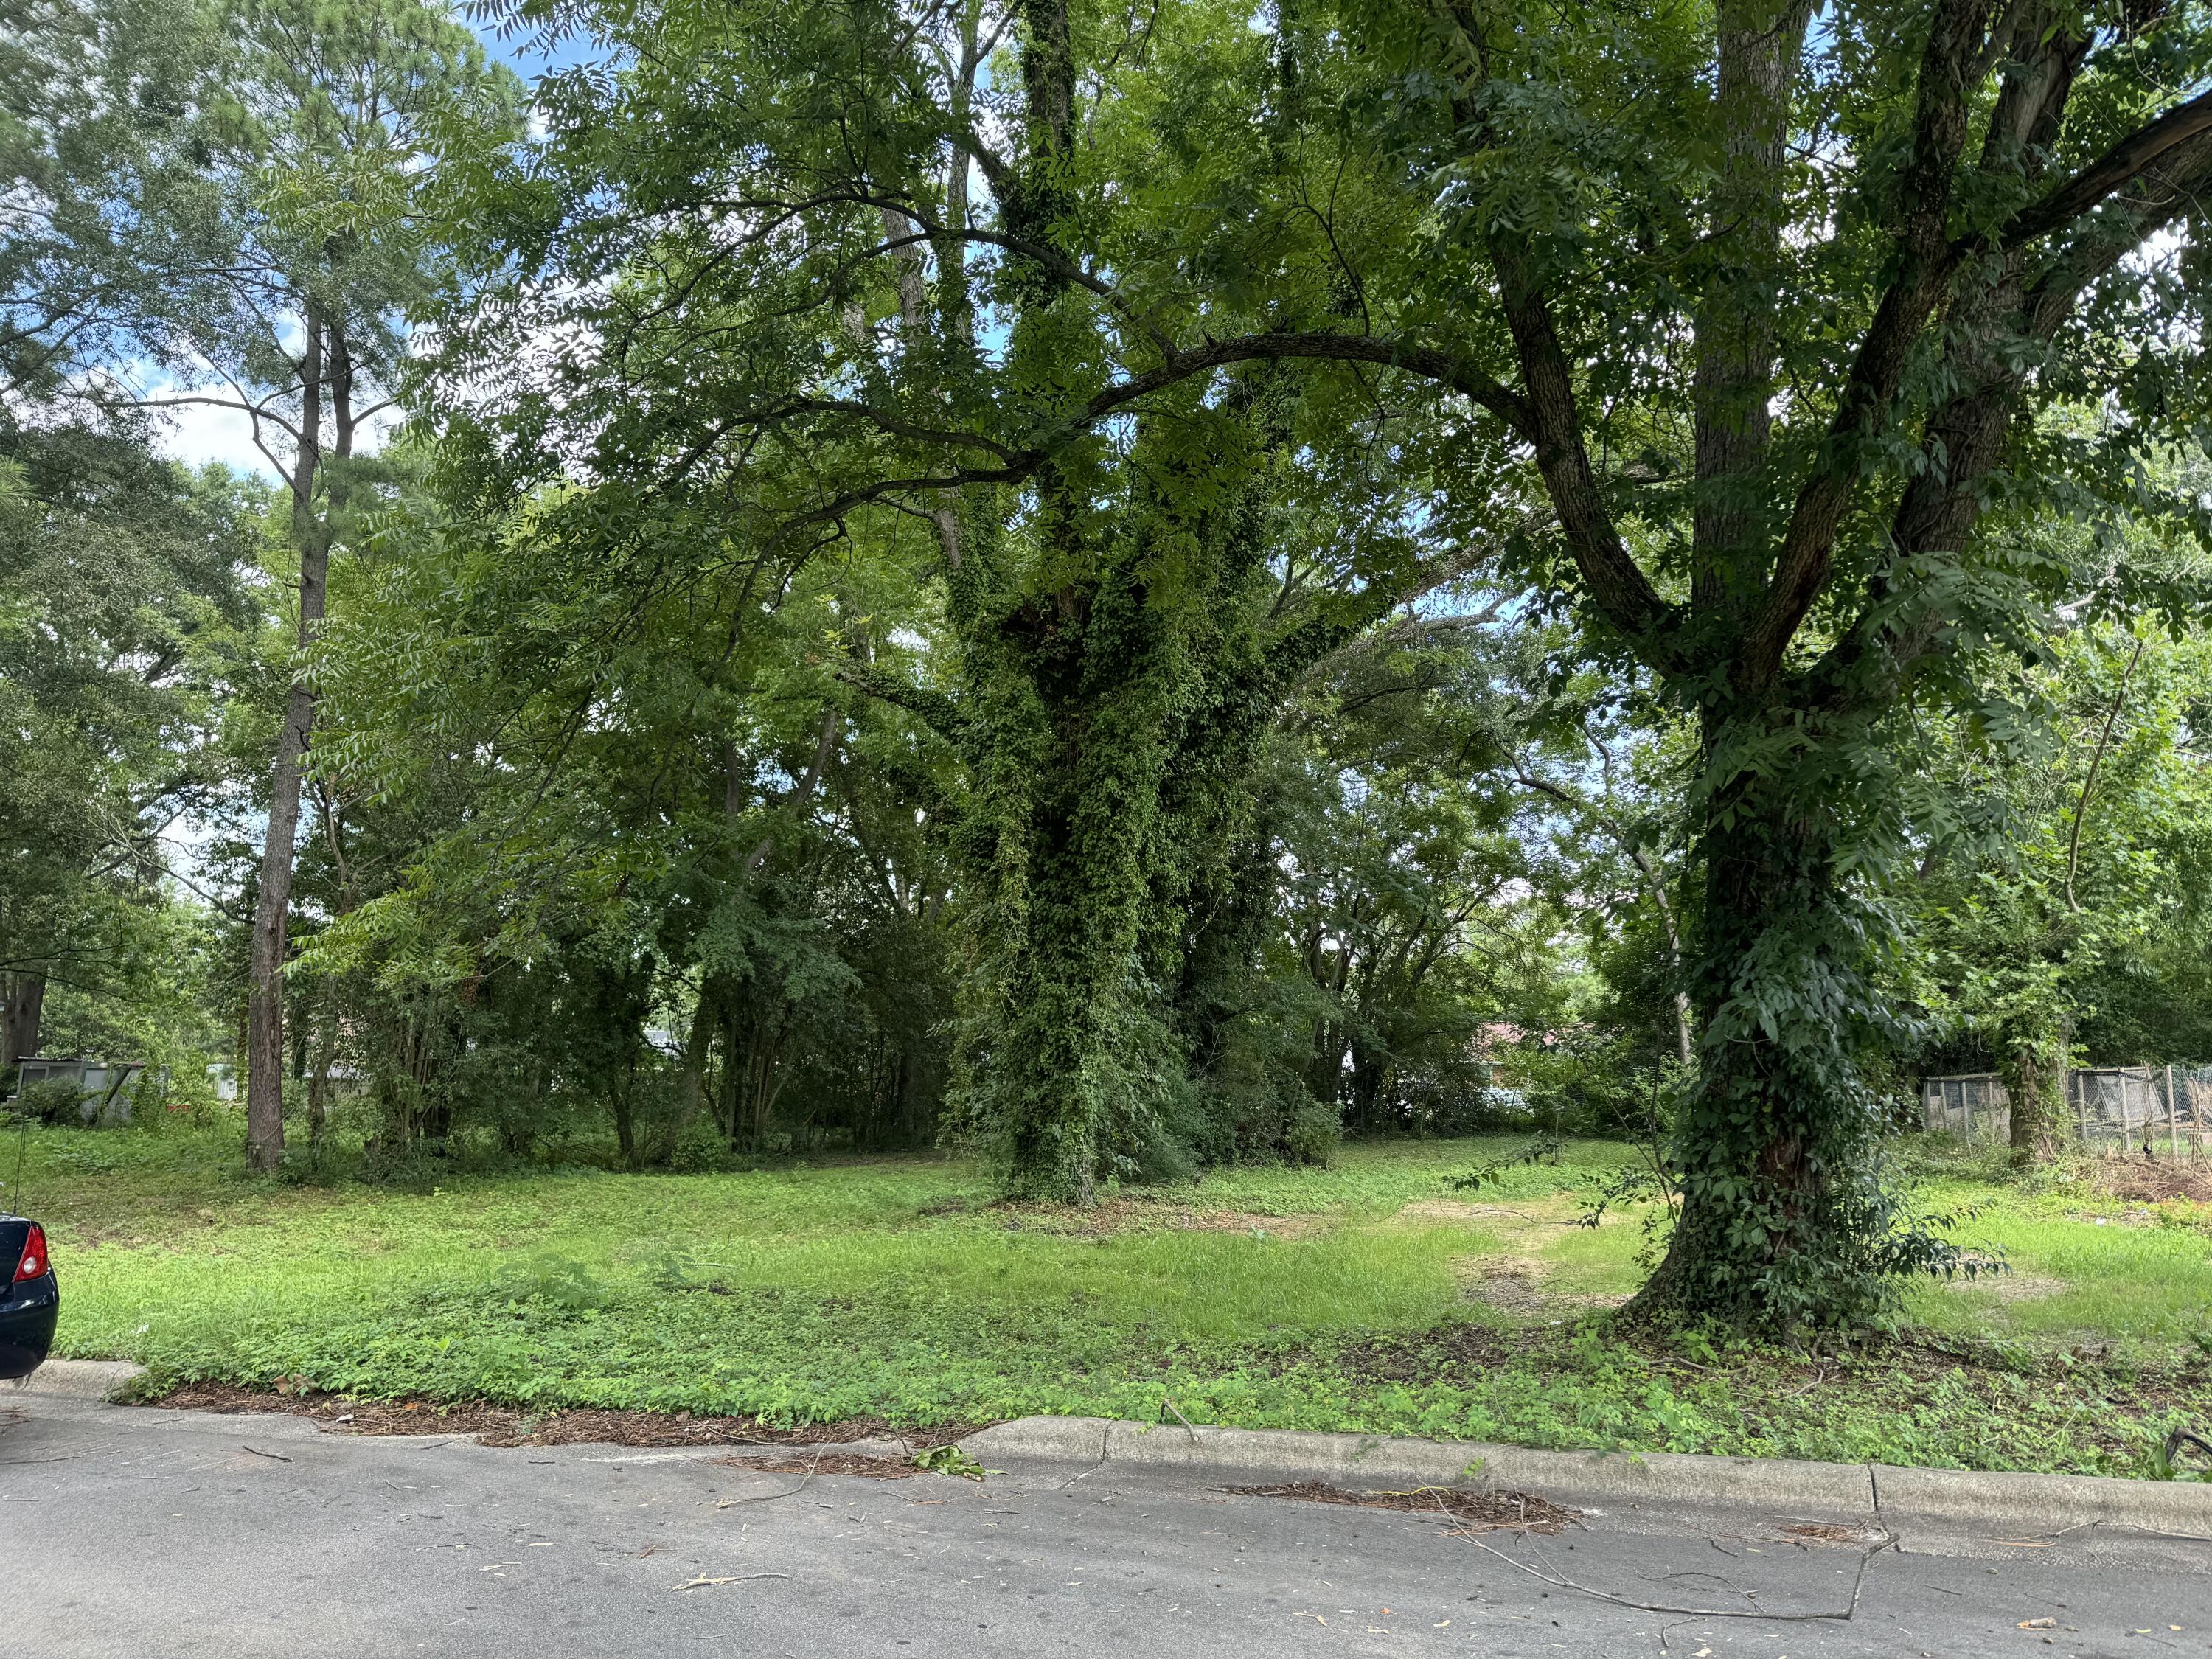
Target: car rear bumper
<point x="27" y="1326"/>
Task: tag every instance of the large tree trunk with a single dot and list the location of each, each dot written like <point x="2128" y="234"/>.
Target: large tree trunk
<point x="1776" y="1142"/>
<point x="312" y="531"/>
<point x="26" y="995"/>
<point x="1056" y="1065"/>
<point x="24" y="1007"/>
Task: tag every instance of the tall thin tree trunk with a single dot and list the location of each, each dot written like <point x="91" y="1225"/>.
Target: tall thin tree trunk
<point x="702" y="1038"/>
<point x="319" y="1081"/>
<point x="625" y="1124"/>
<point x="312" y="531"/>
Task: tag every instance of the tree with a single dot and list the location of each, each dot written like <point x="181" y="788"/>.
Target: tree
<point x="2060" y="903"/>
<point x="1885" y="243"/>
<point x="817" y="269"/>
<point x="122" y="597"/>
<point x="696" y="815"/>
<point x="104" y="128"/>
<point x="1756" y="317"/>
<point x="327" y="120"/>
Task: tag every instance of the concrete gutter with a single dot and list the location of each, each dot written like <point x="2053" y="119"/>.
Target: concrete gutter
<point x="2014" y="1505"/>
<point x="77" y="1379"/>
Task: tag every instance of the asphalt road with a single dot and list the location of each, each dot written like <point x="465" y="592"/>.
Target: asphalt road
<point x="134" y="1533"/>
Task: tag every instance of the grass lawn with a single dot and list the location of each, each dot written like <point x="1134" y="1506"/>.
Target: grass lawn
<point x="1370" y="1296"/>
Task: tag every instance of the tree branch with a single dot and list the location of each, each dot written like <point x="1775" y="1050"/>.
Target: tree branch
<point x="1937" y="511"/>
<point x="1956" y="41"/>
<point x="1549" y="419"/>
<point x="803" y="791"/>
<point x="2089" y="783"/>
<point x="933" y="708"/>
<point x="2113" y="171"/>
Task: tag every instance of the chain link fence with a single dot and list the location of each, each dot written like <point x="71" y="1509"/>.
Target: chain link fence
<point x="2158" y="1109"/>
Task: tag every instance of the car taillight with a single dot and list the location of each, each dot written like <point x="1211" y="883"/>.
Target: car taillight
<point x="35" y="1263"/>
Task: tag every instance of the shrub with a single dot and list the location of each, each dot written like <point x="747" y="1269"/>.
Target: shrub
<point x="1314" y="1134"/>
<point x="57" y="1100"/>
<point x="700" y="1148"/>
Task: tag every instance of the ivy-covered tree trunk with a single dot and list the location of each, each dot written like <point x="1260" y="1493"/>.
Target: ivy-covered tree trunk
<point x="1072" y="689"/>
<point x="1114" y="724"/>
<point x="1781" y="1214"/>
<point x="1226" y="915"/>
<point x="2034" y="1078"/>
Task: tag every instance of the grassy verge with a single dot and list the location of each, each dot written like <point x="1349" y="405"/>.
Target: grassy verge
<point x="1372" y="1296"/>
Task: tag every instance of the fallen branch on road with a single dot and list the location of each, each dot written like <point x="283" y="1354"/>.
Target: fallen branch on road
<point x="1560" y="1581"/>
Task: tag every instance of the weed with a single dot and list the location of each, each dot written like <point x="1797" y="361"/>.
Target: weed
<point x="948" y="1459"/>
<point x="2165" y="1458"/>
<point x="558" y="1281"/>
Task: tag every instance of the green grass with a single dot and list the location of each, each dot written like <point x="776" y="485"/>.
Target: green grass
<point x="1370" y="1295"/>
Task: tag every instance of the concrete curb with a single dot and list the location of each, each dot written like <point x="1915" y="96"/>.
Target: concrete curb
<point x="2044" y="1502"/>
<point x="2015" y="1504"/>
<point x="77" y="1379"/>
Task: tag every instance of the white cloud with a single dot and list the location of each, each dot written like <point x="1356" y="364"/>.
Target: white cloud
<point x="198" y="433"/>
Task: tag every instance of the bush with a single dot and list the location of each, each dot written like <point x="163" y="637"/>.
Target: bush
<point x="1314" y="1134"/>
<point x="411" y="1166"/>
<point x="558" y="1282"/>
<point x="701" y="1148"/>
<point x="59" y="1101"/>
<point x="1591" y="1083"/>
<point x="315" y="1163"/>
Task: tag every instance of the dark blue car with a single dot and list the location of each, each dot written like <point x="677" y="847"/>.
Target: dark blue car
<point x="30" y="1297"/>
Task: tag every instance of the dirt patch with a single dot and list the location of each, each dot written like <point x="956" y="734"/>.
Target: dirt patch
<point x="1475" y="1511"/>
<point x="1452" y="1210"/>
<point x="1450" y="1351"/>
<point x="1240" y="1221"/>
<point x="2009" y="1286"/>
<point x="1509" y="1287"/>
<point x="507" y="1425"/>
<point x="2154" y="1180"/>
<point x="1124" y="1215"/>
<point x="1516" y="1284"/>
<point x="2182" y="1212"/>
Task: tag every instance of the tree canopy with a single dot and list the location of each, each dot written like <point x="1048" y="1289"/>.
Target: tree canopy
<point x="1142" y="586"/>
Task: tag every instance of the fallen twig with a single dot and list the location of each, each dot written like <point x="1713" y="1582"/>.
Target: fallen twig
<point x="769" y="1497"/>
<point x="704" y="1583"/>
<point x="1560" y="1581"/>
<point x="277" y="1458"/>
